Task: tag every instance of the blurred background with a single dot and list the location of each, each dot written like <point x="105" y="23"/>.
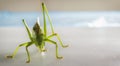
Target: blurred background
<point x="76" y="13"/>
<point x="60" y="5"/>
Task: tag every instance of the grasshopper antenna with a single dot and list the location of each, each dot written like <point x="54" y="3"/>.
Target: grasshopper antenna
<point x="38" y="20"/>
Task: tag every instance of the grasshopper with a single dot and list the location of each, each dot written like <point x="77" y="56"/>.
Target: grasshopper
<point x="38" y="38"/>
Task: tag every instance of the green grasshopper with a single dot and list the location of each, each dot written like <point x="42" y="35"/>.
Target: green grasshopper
<point x="38" y="37"/>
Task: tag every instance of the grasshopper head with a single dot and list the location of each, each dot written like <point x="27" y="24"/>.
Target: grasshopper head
<point x="36" y="27"/>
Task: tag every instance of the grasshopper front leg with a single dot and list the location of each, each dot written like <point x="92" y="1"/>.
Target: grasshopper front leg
<point x="28" y="54"/>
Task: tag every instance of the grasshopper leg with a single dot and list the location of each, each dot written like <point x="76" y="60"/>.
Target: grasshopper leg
<point x="27" y="44"/>
<point x="28" y="55"/>
<point x="16" y="50"/>
<point x="55" y="43"/>
<point x="50" y="21"/>
<point x="28" y="30"/>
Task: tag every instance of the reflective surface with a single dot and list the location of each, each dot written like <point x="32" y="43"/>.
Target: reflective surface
<point x="87" y="47"/>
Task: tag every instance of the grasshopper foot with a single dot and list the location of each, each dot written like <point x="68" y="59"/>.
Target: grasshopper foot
<point x="64" y="46"/>
<point x="59" y="57"/>
<point x="9" y="56"/>
<point x="28" y="61"/>
<point x="44" y="50"/>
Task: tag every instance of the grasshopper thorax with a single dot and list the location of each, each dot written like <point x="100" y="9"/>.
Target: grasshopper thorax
<point x="38" y="35"/>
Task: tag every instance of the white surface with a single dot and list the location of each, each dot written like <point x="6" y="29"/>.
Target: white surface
<point x="88" y="47"/>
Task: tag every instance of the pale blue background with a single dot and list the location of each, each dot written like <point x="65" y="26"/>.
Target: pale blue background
<point x="81" y="19"/>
